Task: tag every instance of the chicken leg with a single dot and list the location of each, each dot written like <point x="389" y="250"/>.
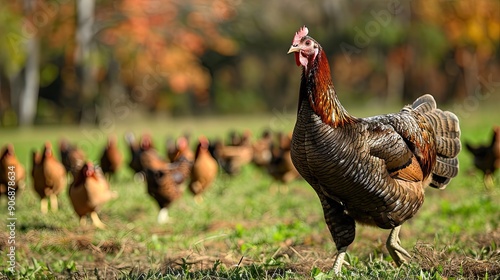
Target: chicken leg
<point x="393" y="244"/>
<point x="44" y="205"/>
<point x="341" y="226"/>
<point x="53" y="202"/>
<point x="97" y="222"/>
<point x="163" y="217"/>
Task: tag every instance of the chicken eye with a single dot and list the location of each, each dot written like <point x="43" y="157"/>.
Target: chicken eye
<point x="308" y="43"/>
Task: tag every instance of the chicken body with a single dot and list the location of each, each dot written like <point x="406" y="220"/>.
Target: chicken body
<point x="12" y="172"/>
<point x="487" y="157"/>
<point x="72" y="157"/>
<point x="164" y="183"/>
<point x="88" y="192"/>
<point x="367" y="170"/>
<point x="111" y="158"/>
<point x="49" y="177"/>
<point x="281" y="167"/>
<point x="204" y="170"/>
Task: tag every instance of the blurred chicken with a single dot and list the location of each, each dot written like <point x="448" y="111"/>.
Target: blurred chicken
<point x="88" y="192"/>
<point x="111" y="158"/>
<point x="180" y="148"/>
<point x="262" y="154"/>
<point x="71" y="157"/>
<point x="12" y="172"/>
<point x="164" y="183"/>
<point x="171" y="148"/>
<point x="49" y="177"/>
<point x="204" y="170"/>
<point x="281" y="167"/>
<point x="487" y="157"/>
<point x="137" y="148"/>
<point x="232" y="157"/>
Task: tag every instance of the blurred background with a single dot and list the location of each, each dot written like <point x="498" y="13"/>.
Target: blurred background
<point x="78" y="62"/>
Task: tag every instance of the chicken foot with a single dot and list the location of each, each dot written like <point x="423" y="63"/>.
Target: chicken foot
<point x="341" y="226"/>
<point x="393" y="244"/>
<point x="53" y="202"/>
<point x="44" y="205"/>
<point x="97" y="222"/>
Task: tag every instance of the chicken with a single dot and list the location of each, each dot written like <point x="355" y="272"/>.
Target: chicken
<point x="111" y="158"/>
<point x="49" y="177"/>
<point x="262" y="154"/>
<point x="281" y="167"/>
<point x="171" y="148"/>
<point x="204" y="170"/>
<point x="137" y="149"/>
<point x="232" y="157"/>
<point x="12" y="173"/>
<point x="367" y="170"/>
<point x="181" y="149"/>
<point x="164" y="184"/>
<point x="72" y="157"/>
<point x="487" y="157"/>
<point x="88" y="192"/>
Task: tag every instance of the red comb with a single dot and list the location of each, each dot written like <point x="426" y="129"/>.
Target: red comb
<point x="299" y="35"/>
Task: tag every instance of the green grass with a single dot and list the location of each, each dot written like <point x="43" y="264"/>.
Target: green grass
<point x="248" y="227"/>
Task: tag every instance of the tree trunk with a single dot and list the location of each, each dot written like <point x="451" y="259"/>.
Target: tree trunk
<point x="30" y="77"/>
<point x="84" y="38"/>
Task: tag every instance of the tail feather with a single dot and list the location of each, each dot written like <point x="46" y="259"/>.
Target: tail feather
<point x="424" y="103"/>
<point x="447" y="132"/>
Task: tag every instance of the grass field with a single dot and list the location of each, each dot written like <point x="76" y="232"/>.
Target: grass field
<point x="248" y="227"/>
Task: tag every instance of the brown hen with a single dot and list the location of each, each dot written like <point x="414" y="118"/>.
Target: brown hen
<point x="262" y="149"/>
<point x="49" y="178"/>
<point x="88" y="192"/>
<point x="204" y="170"/>
<point x="12" y="172"/>
<point x="111" y="158"/>
<point x="281" y="167"/>
<point x="72" y="157"/>
<point x="234" y="156"/>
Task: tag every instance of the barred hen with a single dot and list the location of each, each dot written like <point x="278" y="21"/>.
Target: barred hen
<point x="487" y="157"/>
<point x="204" y="170"/>
<point x="49" y="178"/>
<point x="164" y="182"/>
<point x="88" y="192"/>
<point x="367" y="170"/>
<point x="12" y="172"/>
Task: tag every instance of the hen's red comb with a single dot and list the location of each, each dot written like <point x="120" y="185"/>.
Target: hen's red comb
<point x="299" y="35"/>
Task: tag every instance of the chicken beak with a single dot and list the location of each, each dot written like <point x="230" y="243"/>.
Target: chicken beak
<point x="293" y="49"/>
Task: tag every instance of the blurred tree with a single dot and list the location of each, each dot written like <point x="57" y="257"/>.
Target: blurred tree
<point x="229" y="56"/>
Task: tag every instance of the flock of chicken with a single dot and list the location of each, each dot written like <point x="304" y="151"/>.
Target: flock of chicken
<point x="164" y="175"/>
<point x="364" y="170"/>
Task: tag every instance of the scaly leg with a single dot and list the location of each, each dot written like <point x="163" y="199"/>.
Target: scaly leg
<point x="97" y="222"/>
<point x="393" y="244"/>
<point x="341" y="226"/>
<point x="44" y="205"/>
<point x="53" y="202"/>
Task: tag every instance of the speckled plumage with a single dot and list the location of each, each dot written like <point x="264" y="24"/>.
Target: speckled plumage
<point x="368" y="170"/>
